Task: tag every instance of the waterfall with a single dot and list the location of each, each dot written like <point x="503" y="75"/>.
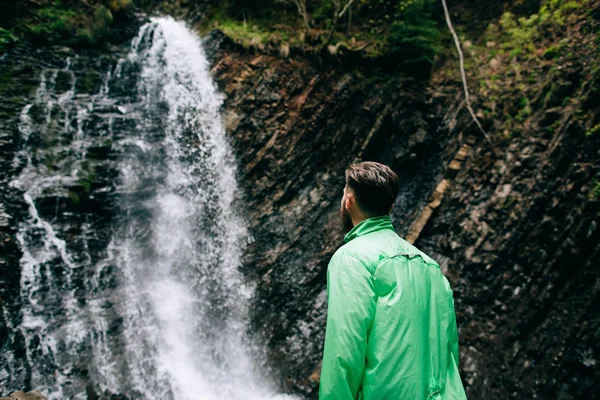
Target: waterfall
<point x="161" y="310"/>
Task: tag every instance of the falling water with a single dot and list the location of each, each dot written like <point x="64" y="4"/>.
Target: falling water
<point x="161" y="311"/>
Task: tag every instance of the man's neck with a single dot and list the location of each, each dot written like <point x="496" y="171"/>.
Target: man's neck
<point x="358" y="219"/>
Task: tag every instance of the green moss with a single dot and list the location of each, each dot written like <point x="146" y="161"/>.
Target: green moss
<point x="84" y="35"/>
<point x="75" y="200"/>
<point x="89" y="82"/>
<point x="103" y="18"/>
<point x="523" y="114"/>
<point x="243" y="33"/>
<point x="7" y="39"/>
<point x="70" y="22"/>
<point x="96" y="28"/>
<point x="87" y="186"/>
<point x="50" y="23"/>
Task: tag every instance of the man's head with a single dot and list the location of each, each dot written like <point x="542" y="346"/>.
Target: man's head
<point x="370" y="191"/>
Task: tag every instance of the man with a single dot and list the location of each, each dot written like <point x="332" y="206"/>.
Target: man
<point x="391" y="328"/>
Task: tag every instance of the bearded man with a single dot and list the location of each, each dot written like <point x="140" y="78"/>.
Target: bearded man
<point x="391" y="326"/>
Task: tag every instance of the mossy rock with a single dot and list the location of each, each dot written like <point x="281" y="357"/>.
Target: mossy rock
<point x="7" y="40"/>
<point x="89" y="82"/>
<point x="74" y="197"/>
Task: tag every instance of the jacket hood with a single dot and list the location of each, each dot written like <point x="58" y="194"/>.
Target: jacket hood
<point x="369" y="225"/>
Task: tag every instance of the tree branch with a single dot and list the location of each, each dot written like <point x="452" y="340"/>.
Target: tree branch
<point x="336" y="10"/>
<point x="462" y="71"/>
<point x="301" y="6"/>
<point x="345" y="8"/>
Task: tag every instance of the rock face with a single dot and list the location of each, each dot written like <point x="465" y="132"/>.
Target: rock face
<point x="71" y="204"/>
<point x="33" y="395"/>
<point x="514" y="228"/>
<point x="517" y="233"/>
<point x="295" y="128"/>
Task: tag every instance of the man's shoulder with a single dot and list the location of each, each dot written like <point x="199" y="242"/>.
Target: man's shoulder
<point x="362" y="246"/>
<point x="347" y="250"/>
<point x="371" y="249"/>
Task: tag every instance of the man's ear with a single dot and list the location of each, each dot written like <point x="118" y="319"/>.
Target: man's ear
<point x="391" y="208"/>
<point x="349" y="202"/>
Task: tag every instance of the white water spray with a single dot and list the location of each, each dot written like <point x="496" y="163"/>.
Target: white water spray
<point x="163" y="314"/>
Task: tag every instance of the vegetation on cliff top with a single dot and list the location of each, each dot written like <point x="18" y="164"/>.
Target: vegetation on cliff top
<point x="537" y="62"/>
<point x="537" y="76"/>
<point x="52" y="21"/>
<point x="402" y="32"/>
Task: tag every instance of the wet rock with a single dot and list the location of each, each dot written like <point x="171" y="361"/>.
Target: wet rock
<point x="295" y="129"/>
<point x="69" y="202"/>
<point x="20" y="395"/>
<point x="513" y="234"/>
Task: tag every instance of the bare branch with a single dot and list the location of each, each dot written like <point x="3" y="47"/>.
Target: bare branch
<point x="348" y="4"/>
<point x="302" y="10"/>
<point x="336" y="10"/>
<point x="301" y="6"/>
<point x="462" y="72"/>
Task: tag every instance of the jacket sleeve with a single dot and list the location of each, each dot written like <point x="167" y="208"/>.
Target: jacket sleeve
<point x="351" y="308"/>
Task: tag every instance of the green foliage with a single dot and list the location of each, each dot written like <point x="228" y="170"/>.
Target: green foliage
<point x="524" y="110"/>
<point x="554" y="11"/>
<point x="593" y="131"/>
<point x="523" y="102"/>
<point x="7" y="39"/>
<point x="521" y="33"/>
<point x="51" y="23"/>
<point x="84" y="35"/>
<point x="415" y="38"/>
<point x="403" y="30"/>
<point x="595" y="189"/>
<point x="551" y="52"/>
<point x="245" y="34"/>
<point x="71" y="21"/>
<point x="97" y="27"/>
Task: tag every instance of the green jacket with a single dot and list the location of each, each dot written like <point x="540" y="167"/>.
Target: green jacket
<point x="391" y="328"/>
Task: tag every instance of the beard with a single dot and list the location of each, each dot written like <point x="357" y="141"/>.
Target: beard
<point x="346" y="219"/>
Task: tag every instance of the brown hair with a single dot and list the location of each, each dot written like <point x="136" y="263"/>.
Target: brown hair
<point x="375" y="186"/>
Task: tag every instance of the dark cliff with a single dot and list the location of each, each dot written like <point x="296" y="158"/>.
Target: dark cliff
<point x="287" y="118"/>
<point x="513" y="222"/>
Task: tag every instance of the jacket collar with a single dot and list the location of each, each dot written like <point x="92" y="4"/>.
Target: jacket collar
<point x="369" y="225"/>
